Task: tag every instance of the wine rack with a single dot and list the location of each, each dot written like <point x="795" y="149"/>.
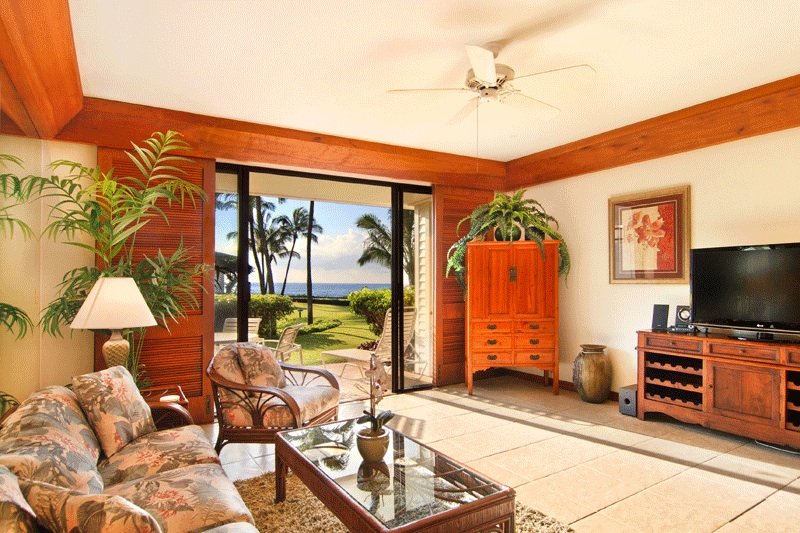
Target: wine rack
<point x="674" y="379"/>
<point x="793" y="401"/>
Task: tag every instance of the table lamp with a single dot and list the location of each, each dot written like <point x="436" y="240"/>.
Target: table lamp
<point x="115" y="304"/>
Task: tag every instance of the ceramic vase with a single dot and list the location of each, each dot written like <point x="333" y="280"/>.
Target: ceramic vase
<point x="372" y="447"/>
<point x="591" y="373"/>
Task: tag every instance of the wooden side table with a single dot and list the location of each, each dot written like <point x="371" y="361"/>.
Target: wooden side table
<point x="168" y="405"/>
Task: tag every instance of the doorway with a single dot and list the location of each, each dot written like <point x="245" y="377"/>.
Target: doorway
<point x="369" y="236"/>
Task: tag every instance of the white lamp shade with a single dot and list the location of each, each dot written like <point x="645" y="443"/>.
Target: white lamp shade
<point x="114" y="303"/>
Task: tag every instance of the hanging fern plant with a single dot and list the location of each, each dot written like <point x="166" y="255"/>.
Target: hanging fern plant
<point x="507" y="215"/>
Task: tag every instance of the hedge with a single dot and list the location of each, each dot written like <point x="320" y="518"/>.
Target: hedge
<point x="372" y="304"/>
<point x="268" y="307"/>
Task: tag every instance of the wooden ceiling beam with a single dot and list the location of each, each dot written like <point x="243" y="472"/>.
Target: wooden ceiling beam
<point x="116" y="124"/>
<point x="12" y="106"/>
<point x="764" y="109"/>
<point x="40" y="65"/>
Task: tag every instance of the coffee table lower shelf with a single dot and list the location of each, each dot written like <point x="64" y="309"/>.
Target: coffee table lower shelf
<point x="486" y="506"/>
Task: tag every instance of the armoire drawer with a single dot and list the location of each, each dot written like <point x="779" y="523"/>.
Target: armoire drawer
<point x="528" y="357"/>
<point x="534" y="342"/>
<point x="489" y="341"/>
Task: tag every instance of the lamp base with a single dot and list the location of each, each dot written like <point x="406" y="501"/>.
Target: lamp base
<point x="116" y="349"/>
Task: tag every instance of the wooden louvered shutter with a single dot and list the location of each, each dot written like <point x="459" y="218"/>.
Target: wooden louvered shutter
<point x="450" y="205"/>
<point x="178" y="356"/>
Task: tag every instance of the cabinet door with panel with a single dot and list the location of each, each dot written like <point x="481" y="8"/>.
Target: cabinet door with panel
<point x="747" y="393"/>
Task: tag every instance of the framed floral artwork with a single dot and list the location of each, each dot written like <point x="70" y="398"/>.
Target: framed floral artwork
<point x="649" y="238"/>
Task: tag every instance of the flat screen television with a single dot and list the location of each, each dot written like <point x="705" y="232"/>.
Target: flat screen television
<point x="747" y="287"/>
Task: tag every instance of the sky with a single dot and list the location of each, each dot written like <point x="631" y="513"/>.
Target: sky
<point x="333" y="257"/>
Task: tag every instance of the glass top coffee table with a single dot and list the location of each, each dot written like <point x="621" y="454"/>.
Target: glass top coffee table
<point x="415" y="488"/>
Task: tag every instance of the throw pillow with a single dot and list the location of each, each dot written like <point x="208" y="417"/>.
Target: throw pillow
<point x="60" y="509"/>
<point x="16" y="514"/>
<point x="259" y="366"/>
<point x="114" y="407"/>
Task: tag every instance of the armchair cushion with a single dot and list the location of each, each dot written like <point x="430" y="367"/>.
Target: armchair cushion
<point x="259" y="366"/>
<point x="114" y="407"/>
<point x="60" y="509"/>
<point x="312" y="402"/>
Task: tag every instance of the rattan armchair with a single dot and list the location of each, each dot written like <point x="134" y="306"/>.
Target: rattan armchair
<point x="256" y="396"/>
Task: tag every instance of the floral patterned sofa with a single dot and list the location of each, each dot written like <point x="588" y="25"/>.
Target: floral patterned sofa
<point x="91" y="459"/>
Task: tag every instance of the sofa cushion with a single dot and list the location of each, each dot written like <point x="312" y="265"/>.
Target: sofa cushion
<point x="48" y="439"/>
<point x="158" y="452"/>
<point x="259" y="366"/>
<point x="196" y="497"/>
<point x="58" y="406"/>
<point x="60" y="509"/>
<point x="114" y="407"/>
<point x="312" y="402"/>
<point x="15" y="513"/>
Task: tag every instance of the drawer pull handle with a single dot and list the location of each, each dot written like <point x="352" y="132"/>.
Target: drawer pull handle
<point x="491" y="326"/>
<point x="491" y="357"/>
<point x="533" y="341"/>
<point x="742" y="352"/>
<point x="534" y="326"/>
<point x="535" y="357"/>
<point x="491" y="342"/>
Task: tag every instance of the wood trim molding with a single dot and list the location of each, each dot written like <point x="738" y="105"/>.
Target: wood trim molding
<point x="37" y="51"/>
<point x="764" y="109"/>
<point x="116" y="124"/>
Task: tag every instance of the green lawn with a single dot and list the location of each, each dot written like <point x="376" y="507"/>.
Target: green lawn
<point x="350" y="334"/>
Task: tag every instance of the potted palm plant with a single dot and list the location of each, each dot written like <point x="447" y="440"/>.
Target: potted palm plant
<point x="109" y="210"/>
<point x="507" y="216"/>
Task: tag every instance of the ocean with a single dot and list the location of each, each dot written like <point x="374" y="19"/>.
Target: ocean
<point x="322" y="290"/>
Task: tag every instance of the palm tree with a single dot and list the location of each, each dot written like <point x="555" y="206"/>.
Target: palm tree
<point x="294" y="227"/>
<point x="309" y="239"/>
<point x="266" y="240"/>
<point x="378" y="244"/>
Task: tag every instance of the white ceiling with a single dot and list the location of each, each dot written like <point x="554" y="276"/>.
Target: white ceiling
<point x="325" y="66"/>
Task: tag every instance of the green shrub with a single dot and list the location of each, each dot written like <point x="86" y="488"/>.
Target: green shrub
<point x="372" y="304"/>
<point x="268" y="307"/>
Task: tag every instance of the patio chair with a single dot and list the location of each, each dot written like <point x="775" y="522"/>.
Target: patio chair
<point x="384" y="348"/>
<point x="230" y="326"/>
<point x="285" y="346"/>
<point x="256" y="396"/>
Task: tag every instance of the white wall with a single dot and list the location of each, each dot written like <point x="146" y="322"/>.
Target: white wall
<point x="30" y="272"/>
<point x="744" y="192"/>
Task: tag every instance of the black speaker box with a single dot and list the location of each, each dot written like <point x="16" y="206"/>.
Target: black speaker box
<point x="660" y="316"/>
<point x="683" y="316"/>
<point x="627" y="400"/>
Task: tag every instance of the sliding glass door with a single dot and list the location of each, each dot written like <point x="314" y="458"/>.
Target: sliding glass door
<point x="366" y="235"/>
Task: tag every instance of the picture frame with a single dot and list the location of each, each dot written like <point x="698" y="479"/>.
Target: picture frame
<point x="649" y="237"/>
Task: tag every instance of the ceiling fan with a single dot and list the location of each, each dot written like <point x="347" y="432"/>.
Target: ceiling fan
<point x="492" y="82"/>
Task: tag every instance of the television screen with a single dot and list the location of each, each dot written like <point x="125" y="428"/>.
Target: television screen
<point x="753" y="287"/>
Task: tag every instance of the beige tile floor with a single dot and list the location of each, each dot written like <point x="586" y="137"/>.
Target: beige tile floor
<point x="587" y="465"/>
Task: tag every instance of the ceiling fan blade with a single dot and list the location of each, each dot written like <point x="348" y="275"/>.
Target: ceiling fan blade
<point x="464" y="112"/>
<point x="435" y="89"/>
<point x="583" y="66"/>
<point x="482" y="61"/>
<point x="520" y="101"/>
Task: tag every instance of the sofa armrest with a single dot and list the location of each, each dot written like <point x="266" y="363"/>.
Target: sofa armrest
<point x="169" y="415"/>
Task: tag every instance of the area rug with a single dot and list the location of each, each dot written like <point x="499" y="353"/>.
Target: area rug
<point x="302" y="512"/>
